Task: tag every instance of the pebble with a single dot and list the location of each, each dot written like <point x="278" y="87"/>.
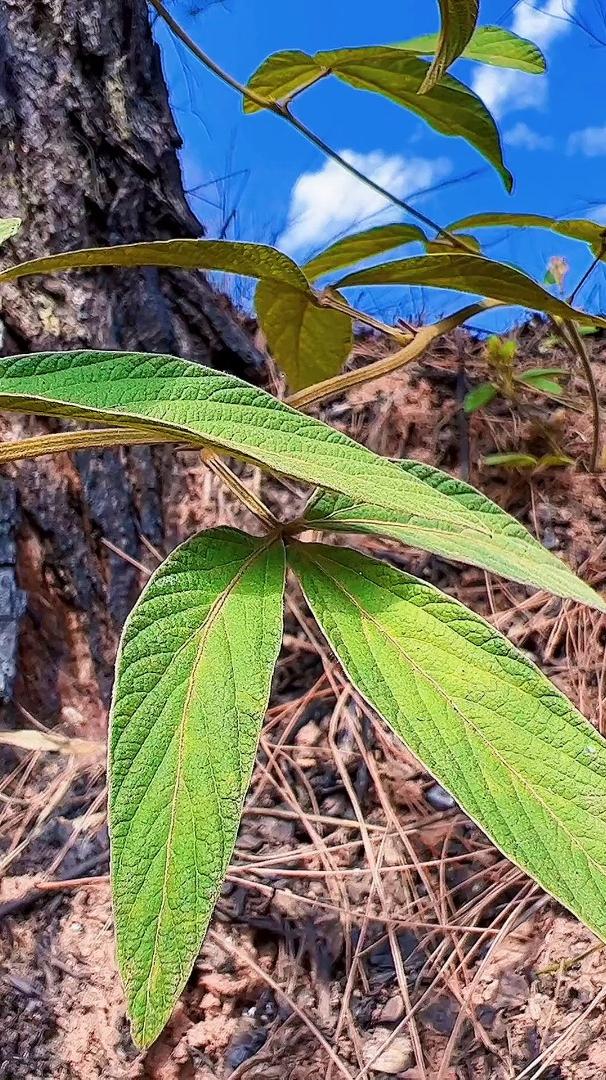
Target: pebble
<point x="439" y="798"/>
<point x="396" y="1058"/>
<point x="393" y="1010"/>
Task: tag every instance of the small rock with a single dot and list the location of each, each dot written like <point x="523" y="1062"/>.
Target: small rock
<point x="393" y="1010"/>
<point x="439" y="798"/>
<point x="308" y="736"/>
<point x="394" y="1059"/>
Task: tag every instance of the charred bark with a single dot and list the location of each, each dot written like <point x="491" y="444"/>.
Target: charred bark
<point x="88" y="156"/>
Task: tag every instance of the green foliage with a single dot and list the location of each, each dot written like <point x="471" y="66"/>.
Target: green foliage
<point x="589" y="232"/>
<point x="310" y="343"/>
<point x="9" y="227"/>
<point x="198" y="652"/>
<point x="490" y="538"/>
<point x="489" y="45"/>
<point x="459" y="18"/>
<point x="470" y="274"/>
<point x="363" y="245"/>
<point x="521" y="761"/>
<point x="479" y="397"/>
<point x="528" y="461"/>
<point x="450" y="107"/>
<point x="227" y="256"/>
<point x="192" y="685"/>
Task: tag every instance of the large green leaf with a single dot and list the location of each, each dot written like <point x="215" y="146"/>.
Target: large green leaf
<point x="459" y="18"/>
<point x="489" y="45"/>
<point x="362" y="245"/>
<point x="201" y="406"/>
<point x="9" y="227"/>
<point x="310" y="343"/>
<point x="450" y="107"/>
<point x="521" y="761"/>
<point x="228" y="256"/>
<point x="491" y="539"/>
<point x="590" y="232"/>
<point x="193" y="678"/>
<point x="282" y="74"/>
<point x="470" y="274"/>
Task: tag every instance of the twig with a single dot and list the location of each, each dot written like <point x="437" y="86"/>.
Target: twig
<point x="578" y="345"/>
<point x="34" y="896"/>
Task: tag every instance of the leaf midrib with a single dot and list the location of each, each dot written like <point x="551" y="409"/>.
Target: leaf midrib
<point x="210" y="623"/>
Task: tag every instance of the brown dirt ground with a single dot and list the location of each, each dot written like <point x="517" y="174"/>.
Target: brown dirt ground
<point x="367" y="928"/>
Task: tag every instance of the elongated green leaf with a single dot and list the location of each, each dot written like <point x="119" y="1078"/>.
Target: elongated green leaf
<point x="470" y="274"/>
<point x="489" y="45"/>
<point x="450" y="107"/>
<point x="193" y="679"/>
<point x="459" y="18"/>
<point x="521" y="761"/>
<point x="491" y="538"/>
<point x="590" y="232"/>
<point x="228" y="256"/>
<point x="362" y="245"/>
<point x="309" y="343"/>
<point x="9" y="227"/>
<point x="283" y="74"/>
<point x="202" y="406"/>
<point x="479" y="397"/>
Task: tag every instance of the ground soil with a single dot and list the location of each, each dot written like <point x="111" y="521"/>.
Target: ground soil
<point x="367" y="928"/>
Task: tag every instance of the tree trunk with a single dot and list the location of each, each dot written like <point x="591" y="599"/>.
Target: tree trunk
<point x="88" y="157"/>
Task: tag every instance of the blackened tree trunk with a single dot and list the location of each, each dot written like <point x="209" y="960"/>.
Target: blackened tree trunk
<point x="88" y="157"/>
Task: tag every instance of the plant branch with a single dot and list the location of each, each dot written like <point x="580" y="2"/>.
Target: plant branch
<point x="282" y="110"/>
<point x="572" y="337"/>
<point x="244" y="494"/>
<point x="411" y="351"/>
<point x="329" y="300"/>
<point x="588" y="272"/>
<point x="61" y="441"/>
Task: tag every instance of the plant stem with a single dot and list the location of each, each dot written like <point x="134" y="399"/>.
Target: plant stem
<point x="338" y="304"/>
<point x="588" y="273"/>
<point x="235" y="485"/>
<point x="282" y="110"/>
<point x="423" y="339"/>
<point x="575" y="341"/>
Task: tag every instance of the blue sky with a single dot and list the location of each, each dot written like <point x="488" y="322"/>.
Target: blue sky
<point x="280" y="188"/>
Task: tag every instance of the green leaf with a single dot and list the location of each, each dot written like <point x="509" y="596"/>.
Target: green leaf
<point x="459" y="18"/>
<point x="589" y="232"/>
<point x="490" y="538"/>
<point x="485" y="722"/>
<point x="283" y="74"/>
<point x="193" y="678"/>
<point x="489" y="45"/>
<point x="362" y="245"/>
<point x="9" y="227"/>
<point x="528" y="376"/>
<point x="228" y="256"/>
<point x="442" y="243"/>
<point x="555" y="461"/>
<point x="469" y="274"/>
<point x="479" y="397"/>
<point x="450" y="107"/>
<point x="541" y="382"/>
<point x="308" y="342"/>
<point x="513" y="461"/>
<point x="204" y="407"/>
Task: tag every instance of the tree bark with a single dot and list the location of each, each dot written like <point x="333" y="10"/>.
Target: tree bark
<point x="88" y="156"/>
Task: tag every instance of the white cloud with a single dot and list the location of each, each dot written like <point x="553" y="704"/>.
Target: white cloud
<point x="523" y="136"/>
<point x="503" y="90"/>
<point x="325" y="203"/>
<point x="591" y="142"/>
